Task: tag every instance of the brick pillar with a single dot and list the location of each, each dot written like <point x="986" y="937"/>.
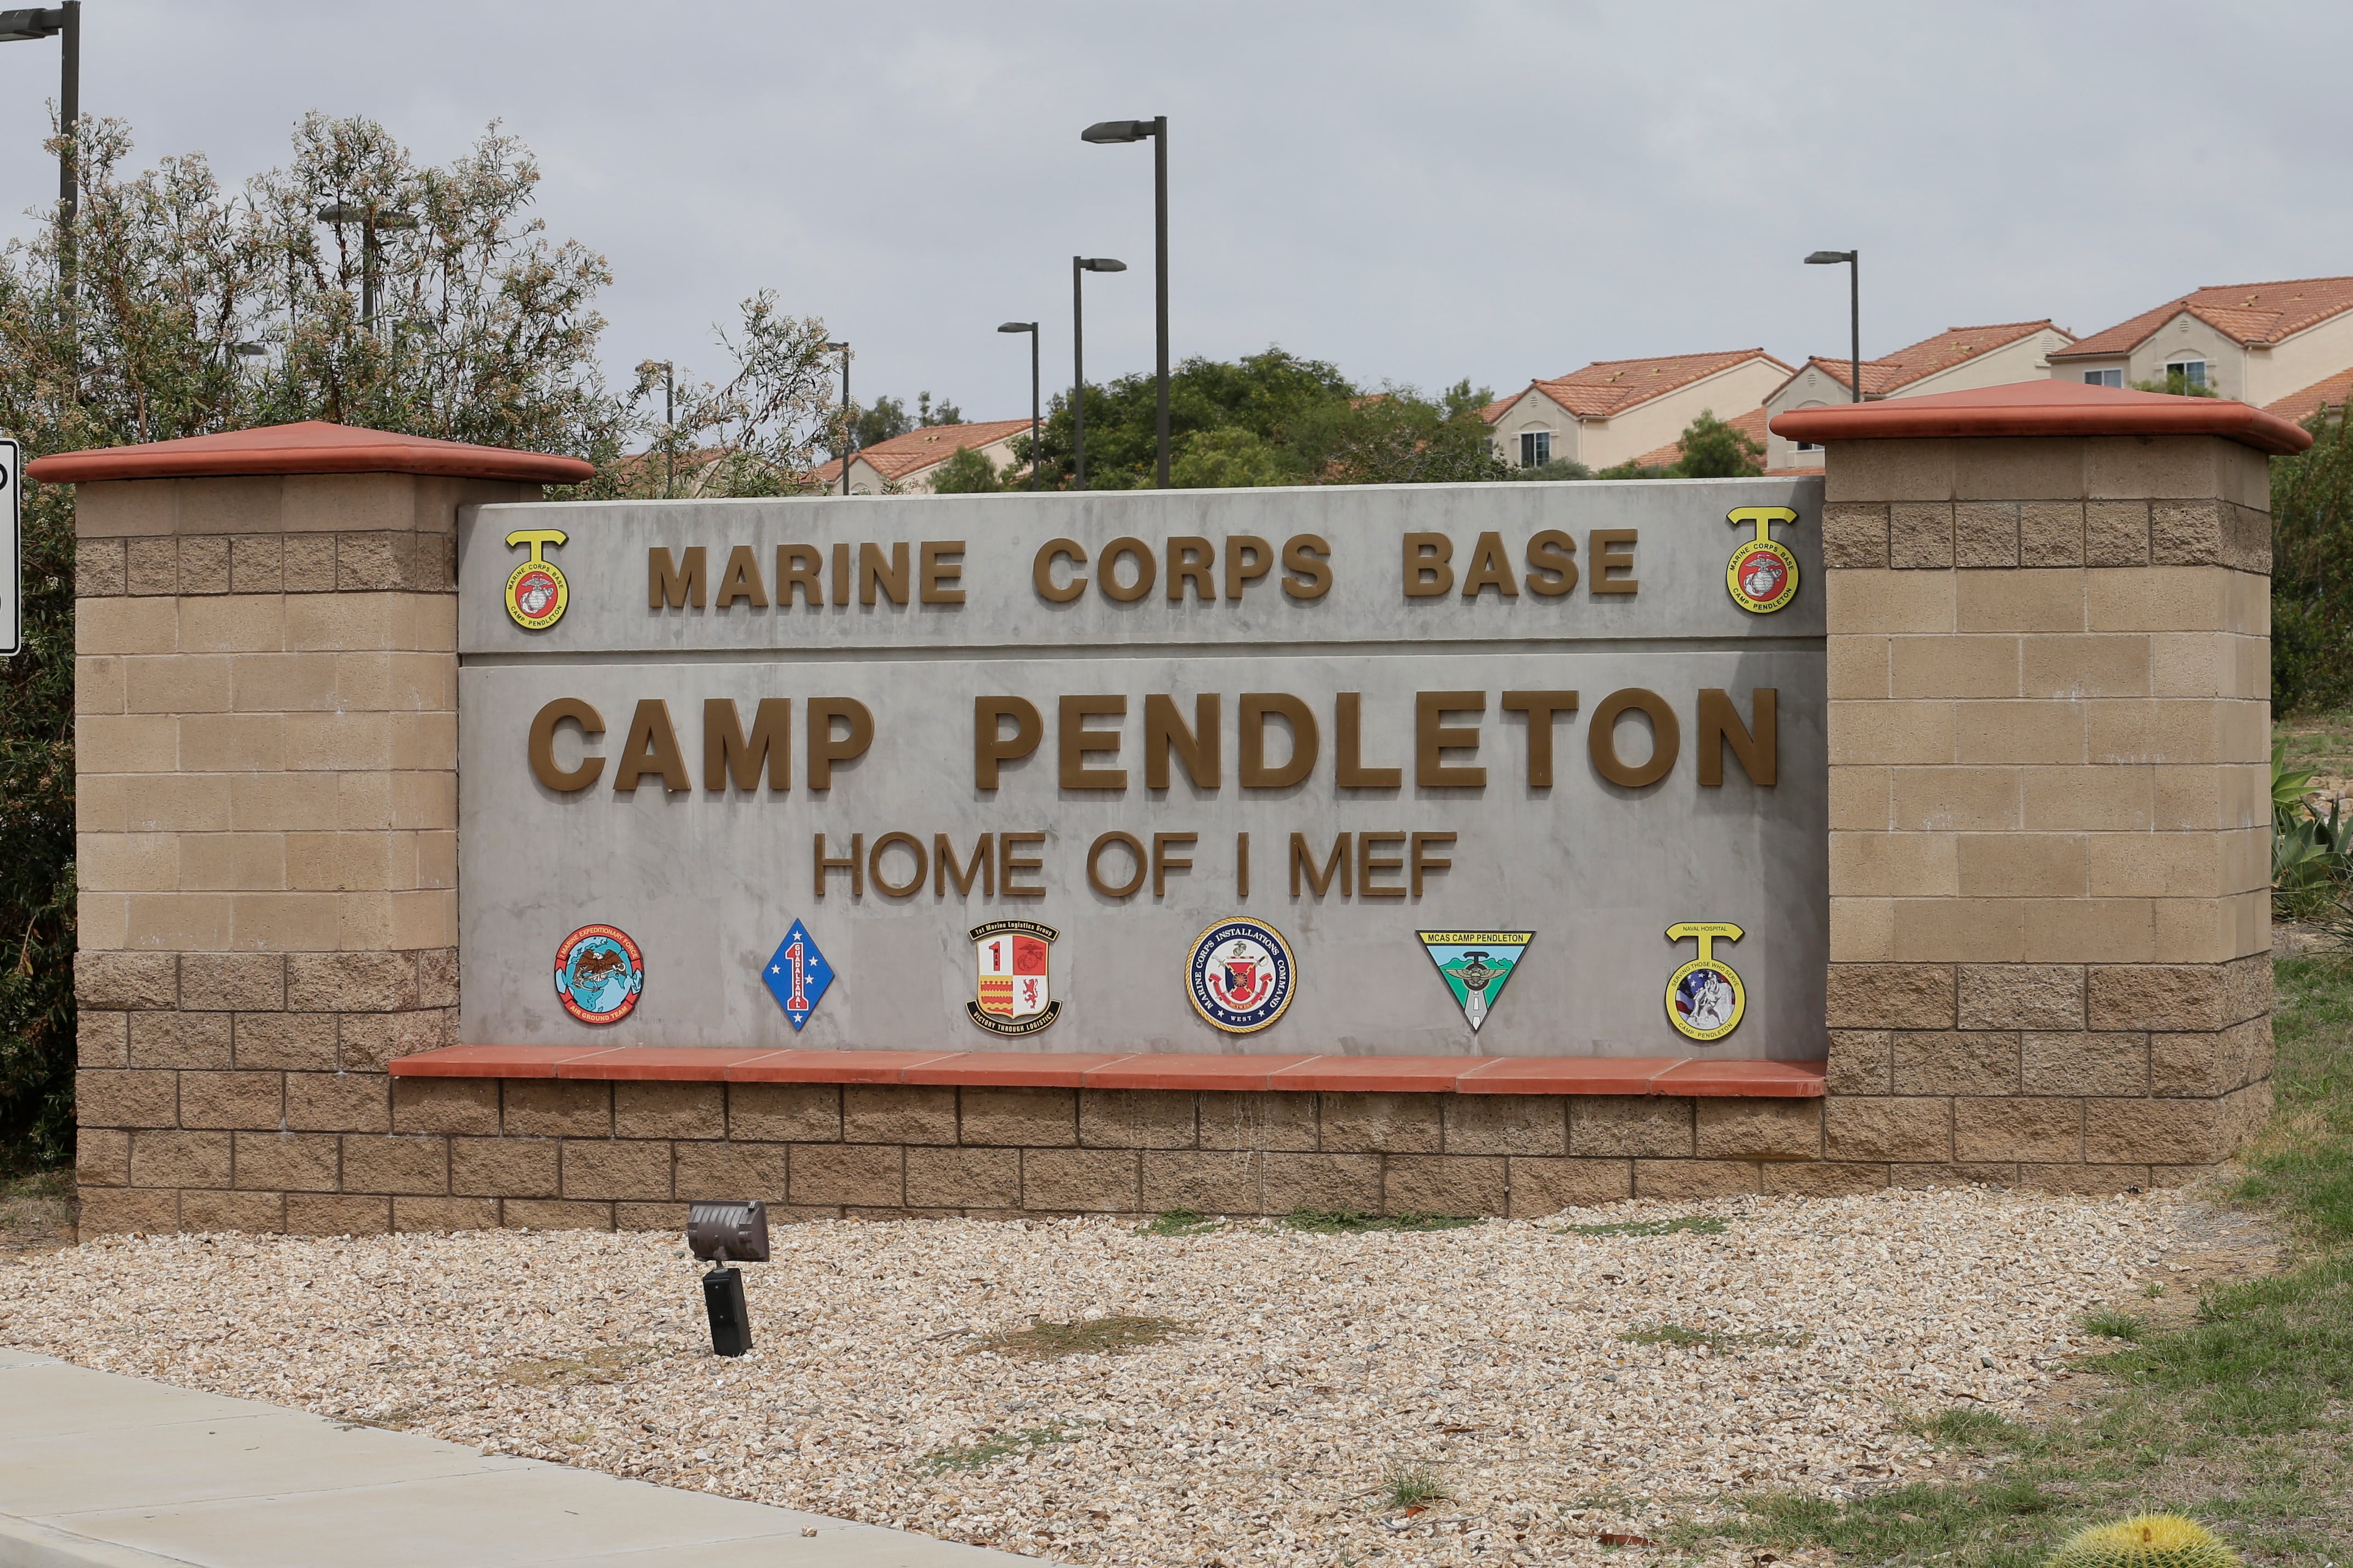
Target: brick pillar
<point x="2049" y="811"/>
<point x="265" y="756"/>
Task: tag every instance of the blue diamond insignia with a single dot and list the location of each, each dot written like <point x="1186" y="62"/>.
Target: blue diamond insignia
<point x="797" y="974"/>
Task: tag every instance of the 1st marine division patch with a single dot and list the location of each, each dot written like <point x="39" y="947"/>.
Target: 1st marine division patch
<point x="1240" y="975"/>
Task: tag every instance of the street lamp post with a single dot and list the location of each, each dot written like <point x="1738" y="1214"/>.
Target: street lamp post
<point x="1157" y="128"/>
<point x="849" y="419"/>
<point x="1854" y="261"/>
<point x="20" y="26"/>
<point x="370" y="220"/>
<point x="1080" y="267"/>
<point x="670" y="429"/>
<point x="1036" y="455"/>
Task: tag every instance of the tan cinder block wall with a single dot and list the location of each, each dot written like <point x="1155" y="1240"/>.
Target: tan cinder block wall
<point x="266" y="752"/>
<point x="2049" y="806"/>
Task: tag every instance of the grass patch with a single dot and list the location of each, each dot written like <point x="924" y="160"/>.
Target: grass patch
<point x="37" y="1209"/>
<point x="1348" y="1221"/>
<point x="1004" y="1444"/>
<point x="1411" y="1486"/>
<point x="607" y="1363"/>
<point x="1718" y="1342"/>
<point x="1180" y="1222"/>
<point x="2114" y="1325"/>
<point x="1693" y="1223"/>
<point x="1043" y="1341"/>
<point x="2238" y="1418"/>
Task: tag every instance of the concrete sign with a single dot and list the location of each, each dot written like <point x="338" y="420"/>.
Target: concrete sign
<point x="12" y="549"/>
<point x="1210" y="770"/>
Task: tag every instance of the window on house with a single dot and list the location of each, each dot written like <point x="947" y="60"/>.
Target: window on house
<point x="1536" y="448"/>
<point x="2192" y="371"/>
<point x="1807" y="447"/>
<point x="2104" y="378"/>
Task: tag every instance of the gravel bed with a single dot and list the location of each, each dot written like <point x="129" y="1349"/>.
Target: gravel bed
<point x="1306" y="1370"/>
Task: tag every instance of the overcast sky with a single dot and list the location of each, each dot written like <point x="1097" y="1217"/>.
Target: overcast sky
<point x="1417" y="192"/>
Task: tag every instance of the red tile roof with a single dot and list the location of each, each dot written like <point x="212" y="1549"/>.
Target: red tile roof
<point x="922" y="447"/>
<point x="1613" y="385"/>
<point x="2300" y="406"/>
<point x="311" y="446"/>
<point x="2244" y="312"/>
<point x="2043" y="408"/>
<point x="1917" y="362"/>
<point x="1668" y="455"/>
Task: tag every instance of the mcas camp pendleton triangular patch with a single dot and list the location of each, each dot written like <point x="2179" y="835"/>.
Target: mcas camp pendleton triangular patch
<point x="1475" y="965"/>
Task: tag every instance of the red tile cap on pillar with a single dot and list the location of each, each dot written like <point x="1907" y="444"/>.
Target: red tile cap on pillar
<point x="2043" y="408"/>
<point x="312" y="446"/>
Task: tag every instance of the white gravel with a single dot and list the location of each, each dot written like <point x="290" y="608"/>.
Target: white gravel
<point x="1310" y="1367"/>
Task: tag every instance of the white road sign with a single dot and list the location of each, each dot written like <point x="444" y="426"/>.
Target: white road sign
<point x="12" y="551"/>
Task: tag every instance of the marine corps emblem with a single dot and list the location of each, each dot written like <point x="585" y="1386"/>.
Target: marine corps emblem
<point x="536" y="590"/>
<point x="599" y="974"/>
<point x="1015" y="996"/>
<point x="1705" y="997"/>
<point x="1239" y="974"/>
<point x="1762" y="573"/>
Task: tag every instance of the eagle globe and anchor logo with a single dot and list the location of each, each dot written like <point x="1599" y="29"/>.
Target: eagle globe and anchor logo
<point x="1762" y="574"/>
<point x="1240" y="975"/>
<point x="537" y="594"/>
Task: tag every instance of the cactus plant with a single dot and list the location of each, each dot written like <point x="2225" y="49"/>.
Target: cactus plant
<point x="2148" y="1541"/>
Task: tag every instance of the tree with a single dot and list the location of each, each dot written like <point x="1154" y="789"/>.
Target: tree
<point x="485" y="331"/>
<point x="1713" y="449"/>
<point x="1228" y="458"/>
<point x="966" y="472"/>
<point x="2177" y="383"/>
<point x="885" y="418"/>
<point x="2312" y="569"/>
<point x="757" y="432"/>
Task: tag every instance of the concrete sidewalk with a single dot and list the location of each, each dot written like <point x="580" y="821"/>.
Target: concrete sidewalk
<point x="108" y="1472"/>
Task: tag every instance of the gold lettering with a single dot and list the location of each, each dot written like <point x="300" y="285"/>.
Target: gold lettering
<point x="882" y="884"/>
<point x="841" y="583"/>
<point x="727" y="754"/>
<point x="1335" y="864"/>
<point x="946" y="870"/>
<point x="1247" y="559"/>
<point x="991" y="746"/>
<point x="1257" y="708"/>
<point x="672" y="586"/>
<point x="1009" y="864"/>
<point x="1349" y="744"/>
<point x="873" y="570"/>
<point x="1429" y="863"/>
<point x="1432" y="739"/>
<point x="1368" y="864"/>
<point x="1606" y="560"/>
<point x="1041" y="570"/>
<point x="1427" y="573"/>
<point x="1076" y="741"/>
<point x="1552" y="567"/>
<point x="825" y="748"/>
<point x="1241" y="865"/>
<point x="565" y="781"/>
<point x="854" y="863"/>
<point x="1201" y="747"/>
<point x="1489" y="568"/>
<point x="1307" y="567"/>
<point x="1602" y="737"/>
<point x="741" y="580"/>
<point x="1146" y="569"/>
<point x="1192" y="559"/>
<point x="799" y="566"/>
<point x="940" y="581"/>
<point x="1163" y="863"/>
<point x="1720" y="725"/>
<point x="1540" y="707"/>
<point x="652" y="748"/>
<point x="1127" y="841"/>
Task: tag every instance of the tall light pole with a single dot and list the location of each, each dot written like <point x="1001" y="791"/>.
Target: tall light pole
<point x="1854" y="261"/>
<point x="1079" y="265"/>
<point x="369" y="218"/>
<point x="1035" y="454"/>
<point x="1157" y="128"/>
<point x="670" y="428"/>
<point x="849" y="419"/>
<point x="22" y="27"/>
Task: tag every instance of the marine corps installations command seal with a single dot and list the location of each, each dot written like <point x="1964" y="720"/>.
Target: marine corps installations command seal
<point x="1187" y="772"/>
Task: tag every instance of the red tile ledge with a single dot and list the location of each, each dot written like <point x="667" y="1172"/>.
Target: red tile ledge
<point x="1298" y="1073"/>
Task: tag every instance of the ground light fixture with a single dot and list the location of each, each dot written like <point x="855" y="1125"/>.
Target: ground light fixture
<point x="1036" y="453"/>
<point x="849" y="416"/>
<point x="1853" y="260"/>
<point x="1080" y="267"/>
<point x="1106" y="131"/>
<point x="717" y="1233"/>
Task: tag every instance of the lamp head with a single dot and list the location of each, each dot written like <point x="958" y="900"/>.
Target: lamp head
<point x="835" y="348"/>
<point x="739" y="1229"/>
<point x="22" y="27"/>
<point x="1829" y="257"/>
<point x="1019" y="327"/>
<point x="1100" y="264"/>
<point x="1116" y="131"/>
<point x="247" y="351"/>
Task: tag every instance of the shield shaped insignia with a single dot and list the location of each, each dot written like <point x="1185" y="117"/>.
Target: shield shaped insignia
<point x="1014" y="990"/>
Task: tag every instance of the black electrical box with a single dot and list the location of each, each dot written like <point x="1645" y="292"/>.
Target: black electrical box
<point x="731" y="1320"/>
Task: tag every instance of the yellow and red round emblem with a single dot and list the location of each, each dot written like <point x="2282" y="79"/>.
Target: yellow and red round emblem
<point x="536" y="590"/>
<point x="1762" y="574"/>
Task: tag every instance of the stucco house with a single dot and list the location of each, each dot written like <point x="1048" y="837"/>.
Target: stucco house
<point x="1616" y="410"/>
<point x="2257" y="343"/>
<point x="1958" y="359"/>
<point x="908" y="461"/>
